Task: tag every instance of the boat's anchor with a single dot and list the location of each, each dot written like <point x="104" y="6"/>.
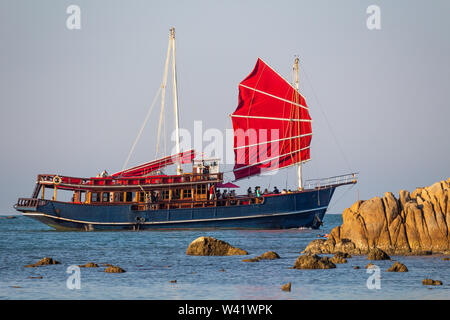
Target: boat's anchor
<point x="317" y="222"/>
<point x="139" y="221"/>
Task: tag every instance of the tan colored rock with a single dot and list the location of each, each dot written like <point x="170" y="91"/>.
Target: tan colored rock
<point x="208" y="246"/>
<point x="269" y="255"/>
<point x="114" y="269"/>
<point x="89" y="265"/>
<point x="431" y="282"/>
<point x="398" y="267"/>
<point x="339" y="257"/>
<point x="377" y="254"/>
<point x="43" y="262"/>
<point x="286" y="287"/>
<point x="416" y="223"/>
<point x="313" y="262"/>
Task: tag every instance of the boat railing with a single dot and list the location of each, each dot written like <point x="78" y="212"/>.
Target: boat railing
<point x="53" y="179"/>
<point x="191" y="203"/>
<point x="30" y="202"/>
<point x="349" y="178"/>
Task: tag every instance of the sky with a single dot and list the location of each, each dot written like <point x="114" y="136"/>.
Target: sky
<point x="72" y="100"/>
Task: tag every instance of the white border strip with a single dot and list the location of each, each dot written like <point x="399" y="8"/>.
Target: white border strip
<point x="180" y="221"/>
<point x="257" y="144"/>
<point x="274" y="96"/>
<point x="269" y="118"/>
<point x="286" y="154"/>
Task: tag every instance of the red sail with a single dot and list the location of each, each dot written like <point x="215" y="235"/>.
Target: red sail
<point x="272" y="125"/>
<point x="147" y="168"/>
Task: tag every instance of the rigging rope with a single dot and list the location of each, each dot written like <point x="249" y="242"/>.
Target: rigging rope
<point x="142" y="129"/>
<point x="326" y="119"/>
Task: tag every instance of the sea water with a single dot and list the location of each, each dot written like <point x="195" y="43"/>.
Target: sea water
<point x="154" y="259"/>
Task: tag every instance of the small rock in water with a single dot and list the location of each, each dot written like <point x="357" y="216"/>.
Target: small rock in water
<point x="378" y="254"/>
<point x="398" y="267"/>
<point x="114" y="269"/>
<point x="339" y="257"/>
<point x="222" y="270"/>
<point x="173" y="281"/>
<point x="355" y="267"/>
<point x="446" y="259"/>
<point x="89" y="265"/>
<point x="35" y="277"/>
<point x="43" y="262"/>
<point x="208" y="246"/>
<point x="269" y="255"/>
<point x="286" y="287"/>
<point x="431" y="282"/>
<point x="313" y="262"/>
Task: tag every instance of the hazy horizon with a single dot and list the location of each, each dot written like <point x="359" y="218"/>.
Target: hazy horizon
<point x="72" y="101"/>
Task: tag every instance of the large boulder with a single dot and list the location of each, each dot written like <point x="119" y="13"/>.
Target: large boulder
<point x="416" y="223"/>
<point x="308" y="261"/>
<point x="208" y="246"/>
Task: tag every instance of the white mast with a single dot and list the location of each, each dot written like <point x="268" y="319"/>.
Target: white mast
<point x="299" y="168"/>
<point x="175" y="98"/>
<point x="163" y="93"/>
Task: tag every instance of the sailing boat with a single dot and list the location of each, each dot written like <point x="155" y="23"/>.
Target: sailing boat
<point x="272" y="131"/>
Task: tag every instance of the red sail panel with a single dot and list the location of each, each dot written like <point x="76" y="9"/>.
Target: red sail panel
<point x="147" y="168"/>
<point x="272" y="125"/>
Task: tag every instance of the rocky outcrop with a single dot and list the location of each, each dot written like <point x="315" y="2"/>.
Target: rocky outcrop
<point x="269" y="255"/>
<point x="43" y="262"/>
<point x="313" y="262"/>
<point x="398" y="267"/>
<point x="208" y="246"/>
<point x="415" y="223"/>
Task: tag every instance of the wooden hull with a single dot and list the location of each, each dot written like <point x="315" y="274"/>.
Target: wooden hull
<point x="283" y="211"/>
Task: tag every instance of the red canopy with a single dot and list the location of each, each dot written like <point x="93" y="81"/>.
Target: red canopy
<point x="227" y="185"/>
<point x="272" y="125"/>
<point x="147" y="168"/>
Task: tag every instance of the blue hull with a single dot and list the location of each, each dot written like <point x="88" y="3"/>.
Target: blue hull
<point x="283" y="211"/>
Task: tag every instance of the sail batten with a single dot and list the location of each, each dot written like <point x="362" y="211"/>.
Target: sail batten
<point x="272" y="125"/>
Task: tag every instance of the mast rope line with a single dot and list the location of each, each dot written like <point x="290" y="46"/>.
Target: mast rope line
<point x="328" y="123"/>
<point x="147" y="117"/>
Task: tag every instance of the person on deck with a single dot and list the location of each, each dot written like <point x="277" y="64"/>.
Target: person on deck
<point x="276" y="191"/>
<point x="258" y="192"/>
<point x="249" y="192"/>
<point x="211" y="192"/>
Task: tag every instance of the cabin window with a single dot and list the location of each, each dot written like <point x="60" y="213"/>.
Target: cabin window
<point x="201" y="189"/>
<point x="95" y="197"/>
<point x="141" y="197"/>
<point x="176" y="194"/>
<point x="118" y="196"/>
<point x="165" y="194"/>
<point x="105" y="197"/>
<point x="128" y="196"/>
<point x="187" y="193"/>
